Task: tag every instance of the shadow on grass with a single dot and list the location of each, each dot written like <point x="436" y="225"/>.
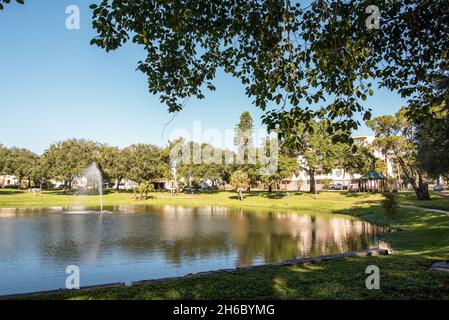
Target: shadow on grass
<point x="9" y="192"/>
<point x="403" y="277"/>
<point x="246" y="195"/>
<point x="275" y="195"/>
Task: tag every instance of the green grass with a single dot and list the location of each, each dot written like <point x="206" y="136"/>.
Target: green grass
<point x="437" y="201"/>
<point x="326" y="201"/>
<point x="421" y="238"/>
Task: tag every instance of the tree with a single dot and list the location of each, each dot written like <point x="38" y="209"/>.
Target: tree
<point x="113" y="164"/>
<point x="142" y="191"/>
<point x="209" y="164"/>
<point x="315" y="149"/>
<point x="240" y="182"/>
<point x="146" y="163"/>
<point x="40" y="172"/>
<point x="286" y="167"/>
<point x="386" y="128"/>
<point x="287" y="55"/>
<point x="395" y="138"/>
<point x="67" y="159"/>
<point x="4" y="155"/>
<point x="246" y="151"/>
<point x="390" y="203"/>
<point x="353" y="160"/>
<point x="5" y="2"/>
<point x="20" y="163"/>
<point x="432" y="138"/>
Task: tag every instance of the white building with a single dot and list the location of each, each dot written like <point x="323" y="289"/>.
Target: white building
<point x="8" y="181"/>
<point x="336" y="175"/>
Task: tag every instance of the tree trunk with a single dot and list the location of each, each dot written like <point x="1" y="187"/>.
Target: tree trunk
<point x="422" y="190"/>
<point x="119" y="179"/>
<point x="270" y="188"/>
<point x="312" y="182"/>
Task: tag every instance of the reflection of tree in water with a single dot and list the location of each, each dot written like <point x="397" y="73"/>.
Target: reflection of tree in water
<point x="276" y="236"/>
<point x="182" y="234"/>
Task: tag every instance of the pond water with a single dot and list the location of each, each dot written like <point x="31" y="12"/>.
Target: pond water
<point x="131" y="243"/>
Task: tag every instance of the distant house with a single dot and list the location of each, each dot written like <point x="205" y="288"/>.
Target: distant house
<point x="8" y="180"/>
<point x="336" y="175"/>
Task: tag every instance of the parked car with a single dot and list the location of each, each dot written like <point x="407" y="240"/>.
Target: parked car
<point x="439" y="187"/>
<point x="336" y="186"/>
<point x="189" y="189"/>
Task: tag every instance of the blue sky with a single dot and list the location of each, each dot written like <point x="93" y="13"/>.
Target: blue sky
<point x="54" y="86"/>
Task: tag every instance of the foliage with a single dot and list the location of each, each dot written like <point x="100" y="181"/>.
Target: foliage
<point x="20" y="162"/>
<point x="142" y="190"/>
<point x="246" y="156"/>
<point x="195" y="166"/>
<point x="240" y="182"/>
<point x="287" y="55"/>
<point x="395" y="137"/>
<point x="287" y="166"/>
<point x="67" y="159"/>
<point x="113" y="164"/>
<point x="390" y="203"/>
<point x="326" y="183"/>
<point x="432" y="138"/>
<point x="315" y="148"/>
<point x="146" y="163"/>
<point x="4" y="2"/>
<point x="354" y="160"/>
<point x="4" y="154"/>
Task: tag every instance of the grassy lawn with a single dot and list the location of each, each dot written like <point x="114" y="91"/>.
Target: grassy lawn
<point x="328" y="201"/>
<point x="437" y="201"/>
<point x="421" y="238"/>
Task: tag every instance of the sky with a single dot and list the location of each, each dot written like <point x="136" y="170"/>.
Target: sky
<point x="54" y="85"/>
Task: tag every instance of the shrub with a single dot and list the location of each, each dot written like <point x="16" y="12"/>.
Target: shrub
<point x="390" y="203"/>
<point x="141" y="192"/>
<point x="240" y="182"/>
<point x="326" y="183"/>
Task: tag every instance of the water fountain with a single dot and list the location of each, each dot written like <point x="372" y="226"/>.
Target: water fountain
<point x="94" y="178"/>
<point x="91" y="179"/>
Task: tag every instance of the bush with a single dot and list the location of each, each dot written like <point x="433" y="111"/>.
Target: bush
<point x="390" y="203"/>
<point x="240" y="182"/>
<point x="141" y="192"/>
<point x="326" y="183"/>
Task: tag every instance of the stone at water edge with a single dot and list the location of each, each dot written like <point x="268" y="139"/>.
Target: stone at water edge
<point x="440" y="267"/>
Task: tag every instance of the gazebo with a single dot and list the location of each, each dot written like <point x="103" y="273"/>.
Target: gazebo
<point x="372" y="181"/>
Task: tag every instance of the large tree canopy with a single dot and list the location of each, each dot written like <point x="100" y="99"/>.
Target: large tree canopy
<point x="297" y="62"/>
<point x="432" y="137"/>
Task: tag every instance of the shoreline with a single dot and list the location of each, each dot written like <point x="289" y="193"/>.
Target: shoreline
<point x="285" y="263"/>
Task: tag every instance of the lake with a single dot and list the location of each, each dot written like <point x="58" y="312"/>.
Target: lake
<point x="132" y="243"/>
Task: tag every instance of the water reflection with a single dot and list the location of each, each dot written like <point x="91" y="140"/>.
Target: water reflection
<point x="138" y="242"/>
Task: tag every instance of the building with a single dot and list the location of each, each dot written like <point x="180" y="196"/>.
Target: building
<point x="301" y="182"/>
<point x="8" y="180"/>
